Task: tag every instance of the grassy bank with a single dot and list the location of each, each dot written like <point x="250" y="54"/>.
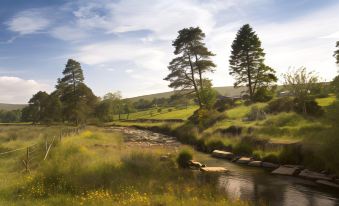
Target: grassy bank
<point x="96" y="167"/>
<point x="285" y="137"/>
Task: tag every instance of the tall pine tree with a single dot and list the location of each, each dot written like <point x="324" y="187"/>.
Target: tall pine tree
<point x="78" y="101"/>
<point x="247" y="63"/>
<point x="192" y="61"/>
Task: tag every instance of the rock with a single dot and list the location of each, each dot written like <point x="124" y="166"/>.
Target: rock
<point x="213" y="169"/>
<point x="255" y="163"/>
<point x="164" y="157"/>
<point x="222" y="154"/>
<point x="313" y="175"/>
<point x="243" y="160"/>
<point x="327" y="183"/>
<point x="195" y="164"/>
<point x="285" y="170"/>
<point x="269" y="165"/>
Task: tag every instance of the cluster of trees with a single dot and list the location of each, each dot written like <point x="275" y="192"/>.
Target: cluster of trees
<point x="72" y="100"/>
<point x="174" y="100"/>
<point x="192" y="62"/>
<point x="10" y="116"/>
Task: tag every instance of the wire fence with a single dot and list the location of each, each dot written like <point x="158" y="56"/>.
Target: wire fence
<point x="32" y="152"/>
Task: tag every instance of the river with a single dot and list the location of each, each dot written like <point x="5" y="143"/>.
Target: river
<point x="254" y="184"/>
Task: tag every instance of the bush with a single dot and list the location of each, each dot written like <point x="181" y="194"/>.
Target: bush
<point x="184" y="157"/>
<point x="263" y="95"/>
<point x="291" y="155"/>
<point x="243" y="148"/>
<point x="159" y="110"/>
<point x="187" y="134"/>
<point x="309" y="107"/>
<point x="283" y="104"/>
<point x="204" y="118"/>
<point x="256" y="114"/>
<point x="223" y="104"/>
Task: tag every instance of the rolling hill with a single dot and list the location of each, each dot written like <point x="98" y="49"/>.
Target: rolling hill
<point x="227" y="91"/>
<point x="9" y="107"/>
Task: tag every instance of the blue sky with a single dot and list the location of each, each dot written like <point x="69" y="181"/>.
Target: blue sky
<point x="125" y="45"/>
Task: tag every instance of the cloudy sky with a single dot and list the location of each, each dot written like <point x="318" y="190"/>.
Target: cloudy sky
<point x="125" y="45"/>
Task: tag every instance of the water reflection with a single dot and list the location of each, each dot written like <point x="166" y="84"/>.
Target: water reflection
<point x="260" y="186"/>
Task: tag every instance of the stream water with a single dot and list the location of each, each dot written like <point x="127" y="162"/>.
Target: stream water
<point x="254" y="184"/>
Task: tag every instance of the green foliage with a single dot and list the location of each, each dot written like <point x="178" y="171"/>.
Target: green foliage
<point x="256" y="113"/>
<point x="205" y="118"/>
<point x="184" y="157"/>
<point x="10" y="116"/>
<point x="247" y="64"/>
<point x="222" y="104"/>
<point x="336" y="53"/>
<point x="335" y="85"/>
<point x="283" y="104"/>
<point x="191" y="62"/>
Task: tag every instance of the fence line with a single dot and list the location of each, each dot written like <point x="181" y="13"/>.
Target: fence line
<point x="30" y="149"/>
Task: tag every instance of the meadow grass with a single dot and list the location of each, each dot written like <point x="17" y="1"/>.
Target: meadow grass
<point x="96" y="167"/>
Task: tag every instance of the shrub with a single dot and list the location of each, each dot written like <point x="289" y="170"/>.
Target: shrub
<point x="283" y="104"/>
<point x="256" y="114"/>
<point x="159" y="110"/>
<point x="184" y="157"/>
<point x="169" y="110"/>
<point x="243" y="148"/>
<point x="187" y="134"/>
<point x="291" y="155"/>
<point x="309" y="107"/>
<point x="223" y="104"/>
<point x="205" y="118"/>
<point x="263" y="94"/>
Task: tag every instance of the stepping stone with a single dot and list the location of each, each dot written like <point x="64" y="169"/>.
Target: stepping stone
<point x="195" y="164"/>
<point x="269" y="165"/>
<point x="255" y="163"/>
<point x="244" y="160"/>
<point x="327" y="183"/>
<point x="284" y="170"/>
<point x="313" y="175"/>
<point x="213" y="169"/>
<point x="222" y="154"/>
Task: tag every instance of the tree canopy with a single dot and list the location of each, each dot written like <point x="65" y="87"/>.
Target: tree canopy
<point x="247" y="63"/>
<point x="191" y="62"/>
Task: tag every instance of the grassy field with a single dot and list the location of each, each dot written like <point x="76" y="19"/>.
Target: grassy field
<point x="95" y="167"/>
<point x="165" y="113"/>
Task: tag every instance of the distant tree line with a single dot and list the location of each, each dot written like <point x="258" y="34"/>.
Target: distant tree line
<point x="10" y="116"/>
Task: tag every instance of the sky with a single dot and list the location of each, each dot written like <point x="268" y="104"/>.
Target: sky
<point x="126" y="45"/>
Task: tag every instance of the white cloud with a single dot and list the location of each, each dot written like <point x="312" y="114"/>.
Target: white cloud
<point x="69" y="33"/>
<point x="28" y="22"/>
<point x="17" y="90"/>
<point x="142" y="55"/>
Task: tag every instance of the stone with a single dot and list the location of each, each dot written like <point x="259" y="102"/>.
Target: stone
<point x="327" y="183"/>
<point x="196" y="164"/>
<point x="313" y="175"/>
<point x="243" y="160"/>
<point x="222" y="154"/>
<point x="164" y="157"/>
<point x="269" y="165"/>
<point x="285" y="170"/>
<point x="255" y="163"/>
<point x="213" y="169"/>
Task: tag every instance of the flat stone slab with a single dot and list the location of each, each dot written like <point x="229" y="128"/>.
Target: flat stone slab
<point x="313" y="175"/>
<point x="255" y="163"/>
<point x="195" y="164"/>
<point x="284" y="170"/>
<point x="269" y="165"/>
<point x="244" y="160"/>
<point x="327" y="183"/>
<point x="222" y="154"/>
<point x="214" y="169"/>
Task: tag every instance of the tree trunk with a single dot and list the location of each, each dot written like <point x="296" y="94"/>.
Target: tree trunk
<point x="194" y="83"/>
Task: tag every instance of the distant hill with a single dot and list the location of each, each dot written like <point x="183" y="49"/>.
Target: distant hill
<point x="9" y="107"/>
<point x="227" y="91"/>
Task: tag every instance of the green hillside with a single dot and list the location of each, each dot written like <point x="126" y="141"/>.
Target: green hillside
<point x="227" y="90"/>
<point x="9" y="107"/>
